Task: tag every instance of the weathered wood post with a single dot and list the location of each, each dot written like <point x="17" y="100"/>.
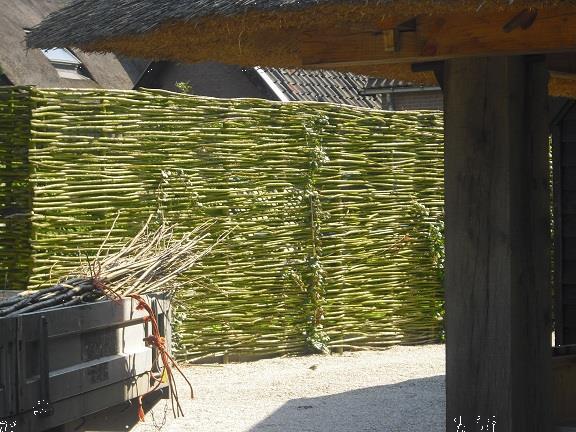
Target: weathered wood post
<point x="497" y="245"/>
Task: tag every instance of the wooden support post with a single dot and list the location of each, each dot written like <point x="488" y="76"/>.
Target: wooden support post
<point x="498" y="306"/>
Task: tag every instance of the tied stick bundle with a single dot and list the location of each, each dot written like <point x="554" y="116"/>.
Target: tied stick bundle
<point x="149" y="263"/>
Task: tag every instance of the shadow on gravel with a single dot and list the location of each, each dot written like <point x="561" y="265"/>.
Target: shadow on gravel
<point x="416" y="405"/>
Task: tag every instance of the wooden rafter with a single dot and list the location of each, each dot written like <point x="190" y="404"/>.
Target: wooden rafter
<point x="432" y="38"/>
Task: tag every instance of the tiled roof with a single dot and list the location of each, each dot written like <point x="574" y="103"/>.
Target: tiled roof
<point x="385" y="84"/>
<point x="322" y="86"/>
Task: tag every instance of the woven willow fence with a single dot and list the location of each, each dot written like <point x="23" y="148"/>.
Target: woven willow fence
<point x="336" y="211"/>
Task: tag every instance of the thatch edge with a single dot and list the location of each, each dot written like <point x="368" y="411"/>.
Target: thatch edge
<point x="85" y="23"/>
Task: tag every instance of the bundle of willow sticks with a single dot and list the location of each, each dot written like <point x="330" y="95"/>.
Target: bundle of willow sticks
<point x="149" y="263"/>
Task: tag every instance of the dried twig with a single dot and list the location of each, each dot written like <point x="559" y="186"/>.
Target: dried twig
<point x="151" y="262"/>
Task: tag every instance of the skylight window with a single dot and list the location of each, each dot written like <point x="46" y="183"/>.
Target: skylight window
<point x="66" y="63"/>
<point x="61" y="55"/>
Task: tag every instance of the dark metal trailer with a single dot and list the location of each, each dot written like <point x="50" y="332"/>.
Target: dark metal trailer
<point x="64" y="364"/>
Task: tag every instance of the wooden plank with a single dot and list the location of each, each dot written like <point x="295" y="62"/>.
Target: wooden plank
<point x="559" y="64"/>
<point x="559" y="197"/>
<point x="569" y="273"/>
<point x="442" y="37"/>
<point x="8" y="394"/>
<point x="569" y="252"/>
<point x="563" y="75"/>
<point x="570" y="334"/>
<point x="570" y="294"/>
<point x="564" y="385"/>
<point x="571" y="109"/>
<point x="569" y="179"/>
<point x="498" y="305"/>
<point x="569" y="134"/>
<point x="569" y="201"/>
<point x="71" y="409"/>
<point x="569" y="226"/>
<point x="570" y="319"/>
<point x="337" y="48"/>
<point x="89" y="376"/>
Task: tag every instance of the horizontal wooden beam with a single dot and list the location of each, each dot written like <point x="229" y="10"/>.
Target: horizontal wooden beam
<point x="564" y="63"/>
<point x="433" y="38"/>
<point x="563" y="75"/>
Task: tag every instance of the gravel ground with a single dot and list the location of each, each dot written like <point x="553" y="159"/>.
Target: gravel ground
<point x="397" y="390"/>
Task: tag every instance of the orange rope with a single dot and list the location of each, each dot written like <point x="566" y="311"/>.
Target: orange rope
<point x="100" y="285"/>
<point x="141" y="413"/>
<point x="168" y="362"/>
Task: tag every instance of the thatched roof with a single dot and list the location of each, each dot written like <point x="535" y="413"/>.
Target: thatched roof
<point x="30" y="67"/>
<point x="253" y="32"/>
<point x="89" y="22"/>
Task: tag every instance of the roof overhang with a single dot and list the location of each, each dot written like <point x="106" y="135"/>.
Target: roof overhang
<point x="377" y="38"/>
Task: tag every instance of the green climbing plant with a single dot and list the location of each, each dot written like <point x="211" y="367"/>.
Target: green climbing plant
<point x="316" y="338"/>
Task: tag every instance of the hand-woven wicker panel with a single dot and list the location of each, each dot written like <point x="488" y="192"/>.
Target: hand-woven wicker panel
<point x="336" y="210"/>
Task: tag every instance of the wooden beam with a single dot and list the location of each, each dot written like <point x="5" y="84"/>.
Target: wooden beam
<point x="565" y="62"/>
<point x="498" y="306"/>
<point x="564" y="385"/>
<point x="432" y="38"/>
<point x="563" y="75"/>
